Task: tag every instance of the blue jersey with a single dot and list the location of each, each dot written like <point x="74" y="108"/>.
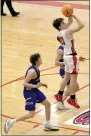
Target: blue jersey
<point x="33" y="95"/>
<point x="37" y="79"/>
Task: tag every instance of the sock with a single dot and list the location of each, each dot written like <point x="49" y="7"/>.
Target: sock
<point x="13" y="121"/>
<point x="61" y="92"/>
<point x="73" y="96"/>
<point x="47" y="122"/>
<point x="64" y="97"/>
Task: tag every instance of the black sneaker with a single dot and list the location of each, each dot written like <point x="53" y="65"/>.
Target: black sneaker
<point x="15" y="14"/>
<point x="3" y="14"/>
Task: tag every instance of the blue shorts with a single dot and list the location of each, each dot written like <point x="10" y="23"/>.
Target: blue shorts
<point x="32" y="97"/>
<point x="62" y="73"/>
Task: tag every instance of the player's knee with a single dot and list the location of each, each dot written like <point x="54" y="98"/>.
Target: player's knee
<point x="77" y="87"/>
<point x="48" y="105"/>
<point x="31" y="114"/>
<point x="66" y="79"/>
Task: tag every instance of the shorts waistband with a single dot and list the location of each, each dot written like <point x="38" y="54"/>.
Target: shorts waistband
<point x="73" y="54"/>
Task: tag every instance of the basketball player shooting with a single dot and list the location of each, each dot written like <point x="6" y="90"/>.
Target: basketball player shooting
<point x="71" y="59"/>
<point x="59" y="61"/>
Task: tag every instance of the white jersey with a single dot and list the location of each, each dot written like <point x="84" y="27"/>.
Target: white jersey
<point x="68" y="45"/>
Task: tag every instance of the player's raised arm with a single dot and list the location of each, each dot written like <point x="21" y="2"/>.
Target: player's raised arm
<point x="31" y="75"/>
<point x="70" y="21"/>
<point x="76" y="28"/>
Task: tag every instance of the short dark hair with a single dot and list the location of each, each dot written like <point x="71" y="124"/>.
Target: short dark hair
<point x="34" y="58"/>
<point x="57" y="22"/>
<point x="58" y="39"/>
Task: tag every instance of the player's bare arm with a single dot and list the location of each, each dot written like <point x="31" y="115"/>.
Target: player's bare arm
<point x="42" y="84"/>
<point x="70" y="30"/>
<point x="59" y="56"/>
<point x="70" y="21"/>
<point x="31" y="75"/>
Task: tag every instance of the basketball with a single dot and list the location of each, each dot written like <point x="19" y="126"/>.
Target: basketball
<point x="67" y="10"/>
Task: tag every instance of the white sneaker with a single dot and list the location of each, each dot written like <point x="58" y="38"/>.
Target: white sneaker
<point x="60" y="106"/>
<point x="50" y="128"/>
<point x="7" y="126"/>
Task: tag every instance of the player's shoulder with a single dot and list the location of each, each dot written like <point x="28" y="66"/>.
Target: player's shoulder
<point x="31" y="71"/>
<point x="61" y="32"/>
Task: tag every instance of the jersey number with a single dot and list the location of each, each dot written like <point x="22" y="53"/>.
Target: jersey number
<point x="62" y="40"/>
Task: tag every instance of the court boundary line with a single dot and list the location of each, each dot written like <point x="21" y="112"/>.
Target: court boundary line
<point x="64" y="114"/>
<point x="21" y="78"/>
<point x="66" y="128"/>
<point x="37" y="123"/>
<point x="55" y="4"/>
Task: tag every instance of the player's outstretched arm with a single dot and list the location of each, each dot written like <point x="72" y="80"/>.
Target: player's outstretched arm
<point x="77" y="28"/>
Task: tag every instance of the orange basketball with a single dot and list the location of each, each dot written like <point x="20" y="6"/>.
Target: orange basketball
<point x="67" y="10"/>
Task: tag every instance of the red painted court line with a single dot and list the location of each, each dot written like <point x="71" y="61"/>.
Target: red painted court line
<point x="21" y="78"/>
<point x="54" y="3"/>
<point x="55" y="102"/>
<point x="75" y="132"/>
<point x="37" y="123"/>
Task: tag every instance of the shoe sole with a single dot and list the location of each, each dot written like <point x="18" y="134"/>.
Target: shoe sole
<point x="5" y="127"/>
<point x="47" y="129"/>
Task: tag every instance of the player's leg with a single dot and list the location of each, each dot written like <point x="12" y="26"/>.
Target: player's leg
<point x="59" y="94"/>
<point x="48" y="126"/>
<point x="31" y="99"/>
<point x="72" y="63"/>
<point x="47" y="110"/>
<point x="2" y="4"/>
<point x="72" y="96"/>
<point x="72" y="87"/>
<point x="64" y="81"/>
<point x="42" y="99"/>
<point x="11" y="9"/>
<point x="10" y="122"/>
<point x="72" y="99"/>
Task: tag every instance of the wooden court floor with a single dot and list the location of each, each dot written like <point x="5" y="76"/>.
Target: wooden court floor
<point x="29" y="33"/>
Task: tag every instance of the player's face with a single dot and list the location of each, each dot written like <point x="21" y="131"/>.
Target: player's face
<point x="63" y="25"/>
<point x="39" y="62"/>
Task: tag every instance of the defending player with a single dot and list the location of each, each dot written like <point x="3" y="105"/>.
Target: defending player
<point x="33" y="95"/>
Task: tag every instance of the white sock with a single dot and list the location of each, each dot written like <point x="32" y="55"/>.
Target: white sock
<point x="47" y="122"/>
<point x="64" y="97"/>
<point x="12" y="121"/>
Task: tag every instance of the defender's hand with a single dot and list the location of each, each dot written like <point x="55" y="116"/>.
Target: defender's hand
<point x="45" y="85"/>
<point x="81" y="59"/>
